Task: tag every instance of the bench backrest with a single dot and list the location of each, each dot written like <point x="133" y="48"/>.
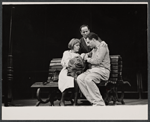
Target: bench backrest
<point x="115" y="74"/>
<point x="116" y="68"/>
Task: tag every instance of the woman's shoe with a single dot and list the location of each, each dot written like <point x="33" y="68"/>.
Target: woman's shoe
<point x="98" y="105"/>
<point x="61" y="104"/>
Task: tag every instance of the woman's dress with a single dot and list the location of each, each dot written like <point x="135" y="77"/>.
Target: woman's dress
<point x="66" y="81"/>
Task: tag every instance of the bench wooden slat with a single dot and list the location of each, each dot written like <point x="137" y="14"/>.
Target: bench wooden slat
<point x="55" y="64"/>
<point x="55" y="61"/>
<point x="113" y="79"/>
<point x="55" y="69"/>
<point x="40" y="84"/>
<point x="114" y="75"/>
<point x="115" y="71"/>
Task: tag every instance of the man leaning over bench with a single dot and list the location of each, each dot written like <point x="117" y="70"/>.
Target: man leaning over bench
<point x="100" y="70"/>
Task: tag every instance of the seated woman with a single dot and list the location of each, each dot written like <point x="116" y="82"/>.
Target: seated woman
<point x="66" y="81"/>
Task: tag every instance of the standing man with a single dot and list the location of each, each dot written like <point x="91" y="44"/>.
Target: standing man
<point x="100" y="70"/>
<point x="84" y="48"/>
<point x="84" y="30"/>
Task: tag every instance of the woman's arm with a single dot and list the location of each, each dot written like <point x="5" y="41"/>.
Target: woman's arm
<point x="65" y="59"/>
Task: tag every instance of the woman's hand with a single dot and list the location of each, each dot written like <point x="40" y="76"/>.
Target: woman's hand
<point x="85" y="57"/>
<point x="82" y="55"/>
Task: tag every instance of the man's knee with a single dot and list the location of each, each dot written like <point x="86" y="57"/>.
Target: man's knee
<point x="88" y="80"/>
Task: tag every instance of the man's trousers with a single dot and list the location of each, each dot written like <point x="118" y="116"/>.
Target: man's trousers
<point x="87" y="84"/>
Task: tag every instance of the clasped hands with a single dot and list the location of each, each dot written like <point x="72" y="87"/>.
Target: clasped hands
<point x="86" y="56"/>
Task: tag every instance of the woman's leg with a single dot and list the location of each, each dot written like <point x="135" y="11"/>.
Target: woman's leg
<point x="76" y="91"/>
<point x="62" y="100"/>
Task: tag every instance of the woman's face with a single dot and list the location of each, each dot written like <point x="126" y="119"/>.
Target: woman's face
<point x="76" y="47"/>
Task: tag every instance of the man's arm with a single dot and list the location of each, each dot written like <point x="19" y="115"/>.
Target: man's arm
<point x="86" y="55"/>
<point x="100" y="54"/>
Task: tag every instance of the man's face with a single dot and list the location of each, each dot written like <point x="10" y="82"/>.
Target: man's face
<point x="85" y="31"/>
<point x="90" y="43"/>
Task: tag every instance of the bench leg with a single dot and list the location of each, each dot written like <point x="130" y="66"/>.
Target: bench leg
<point x="122" y="95"/>
<point x="110" y="94"/>
<point x="53" y="96"/>
<point x="121" y="85"/>
<point x="38" y="95"/>
<point x="38" y="103"/>
<point x="40" y="99"/>
<point x="115" y="95"/>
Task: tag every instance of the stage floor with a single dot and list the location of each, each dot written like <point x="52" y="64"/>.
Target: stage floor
<point x="81" y="102"/>
<point x="134" y="109"/>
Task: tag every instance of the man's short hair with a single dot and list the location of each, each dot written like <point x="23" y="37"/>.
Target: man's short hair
<point x="84" y="26"/>
<point x="73" y="42"/>
<point x="92" y="35"/>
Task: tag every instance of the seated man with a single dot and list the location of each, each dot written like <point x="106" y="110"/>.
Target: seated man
<point x="100" y="70"/>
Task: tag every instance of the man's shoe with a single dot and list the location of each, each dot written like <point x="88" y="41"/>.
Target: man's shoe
<point x="98" y="104"/>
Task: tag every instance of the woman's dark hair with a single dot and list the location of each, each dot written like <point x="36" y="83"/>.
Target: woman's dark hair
<point x="92" y="35"/>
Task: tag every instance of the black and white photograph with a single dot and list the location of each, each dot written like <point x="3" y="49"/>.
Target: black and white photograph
<point x="74" y="60"/>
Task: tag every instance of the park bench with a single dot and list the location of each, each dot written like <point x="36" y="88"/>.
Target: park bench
<point x="109" y="88"/>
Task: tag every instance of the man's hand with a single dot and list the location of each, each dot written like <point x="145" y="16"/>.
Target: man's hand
<point x="85" y="57"/>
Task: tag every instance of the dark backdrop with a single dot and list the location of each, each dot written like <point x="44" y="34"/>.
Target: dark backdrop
<point x="42" y="32"/>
